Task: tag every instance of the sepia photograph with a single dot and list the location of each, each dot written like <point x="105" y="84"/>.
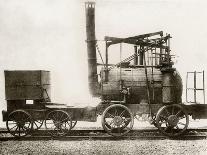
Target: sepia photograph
<point x="103" y="77"/>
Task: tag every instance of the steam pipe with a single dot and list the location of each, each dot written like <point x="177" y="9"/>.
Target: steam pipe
<point x="91" y="48"/>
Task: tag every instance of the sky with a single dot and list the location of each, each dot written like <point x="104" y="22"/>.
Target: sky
<point x="50" y="35"/>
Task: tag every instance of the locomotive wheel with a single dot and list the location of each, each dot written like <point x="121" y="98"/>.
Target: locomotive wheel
<point x="37" y="124"/>
<point x="153" y="120"/>
<point x="117" y="120"/>
<point x="172" y="120"/>
<point x="19" y="123"/>
<point x="73" y="124"/>
<point x="58" y="123"/>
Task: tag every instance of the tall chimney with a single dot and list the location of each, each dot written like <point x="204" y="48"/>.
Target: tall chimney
<point x="91" y="48"/>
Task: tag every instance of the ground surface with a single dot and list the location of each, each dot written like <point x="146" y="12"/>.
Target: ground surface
<point x="88" y="147"/>
<point x="109" y="147"/>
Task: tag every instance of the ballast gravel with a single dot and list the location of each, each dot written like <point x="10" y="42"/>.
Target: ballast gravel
<point x="109" y="147"/>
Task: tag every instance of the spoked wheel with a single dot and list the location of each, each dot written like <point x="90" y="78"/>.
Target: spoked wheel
<point x="19" y="123"/>
<point x="172" y="120"/>
<point x="73" y="124"/>
<point x="58" y="123"/>
<point x="37" y="124"/>
<point x="117" y="120"/>
<point x="153" y="120"/>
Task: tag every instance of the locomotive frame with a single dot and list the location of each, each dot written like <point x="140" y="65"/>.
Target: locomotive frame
<point x="156" y="94"/>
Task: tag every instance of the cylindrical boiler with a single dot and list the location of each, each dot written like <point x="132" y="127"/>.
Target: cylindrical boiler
<point x="163" y="87"/>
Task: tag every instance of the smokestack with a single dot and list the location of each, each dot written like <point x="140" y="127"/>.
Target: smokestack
<point x="91" y="48"/>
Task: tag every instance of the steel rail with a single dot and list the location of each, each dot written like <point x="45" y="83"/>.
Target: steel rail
<point x="103" y="131"/>
<point x="73" y="138"/>
<point x="147" y="134"/>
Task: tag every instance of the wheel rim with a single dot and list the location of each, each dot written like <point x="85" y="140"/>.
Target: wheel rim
<point x="37" y="124"/>
<point x="117" y="120"/>
<point x="19" y="123"/>
<point x="58" y="123"/>
<point x="172" y="120"/>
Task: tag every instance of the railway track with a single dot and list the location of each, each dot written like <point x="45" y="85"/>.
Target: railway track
<point x="146" y="134"/>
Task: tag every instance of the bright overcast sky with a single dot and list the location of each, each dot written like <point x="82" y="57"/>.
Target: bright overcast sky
<point x="50" y="35"/>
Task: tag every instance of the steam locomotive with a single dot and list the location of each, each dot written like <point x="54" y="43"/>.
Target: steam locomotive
<point x="143" y="83"/>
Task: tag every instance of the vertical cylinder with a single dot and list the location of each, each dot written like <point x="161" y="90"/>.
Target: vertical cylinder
<point x="168" y="90"/>
<point x="91" y="47"/>
<point x="141" y="55"/>
<point x="172" y="87"/>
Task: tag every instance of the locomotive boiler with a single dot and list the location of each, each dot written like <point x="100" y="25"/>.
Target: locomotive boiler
<point x="143" y="83"/>
<point x="151" y="77"/>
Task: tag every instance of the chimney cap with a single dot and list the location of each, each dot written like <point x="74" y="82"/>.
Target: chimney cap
<point x="90" y="4"/>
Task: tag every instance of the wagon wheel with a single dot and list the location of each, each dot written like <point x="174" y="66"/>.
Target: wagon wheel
<point x="73" y="124"/>
<point x="19" y="123"/>
<point x="117" y="120"/>
<point x="172" y="120"/>
<point x="37" y="124"/>
<point x="58" y="123"/>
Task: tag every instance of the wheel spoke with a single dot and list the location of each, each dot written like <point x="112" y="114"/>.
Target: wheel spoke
<point x="17" y="128"/>
<point x="35" y="124"/>
<point x="53" y="126"/>
<point x="177" y="127"/>
<point x="110" y="115"/>
<point x="115" y="112"/>
<point x="127" y="120"/>
<point x="65" y="119"/>
<point x="61" y="116"/>
<point x="110" y="123"/>
<point x="165" y="118"/>
<point x="13" y="127"/>
<point x="17" y="115"/>
<point x="53" y="116"/>
<point x="168" y="113"/>
<point x="69" y="124"/>
<point x="179" y="112"/>
<point x="122" y="113"/>
<point x="56" y="115"/>
<point x="173" y="110"/>
<point x="24" y="127"/>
